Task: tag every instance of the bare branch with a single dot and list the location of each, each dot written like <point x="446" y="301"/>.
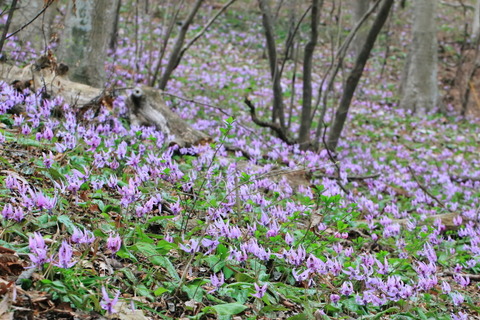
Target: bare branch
<point x="48" y="4"/>
<point x="264" y="124"/>
<point x="424" y="189"/>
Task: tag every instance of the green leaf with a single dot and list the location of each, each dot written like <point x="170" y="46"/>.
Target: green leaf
<point x="67" y="222"/>
<point x="158" y="218"/>
<point x="243" y="277"/>
<point x="300" y="316"/>
<point x="149" y="251"/>
<point x="228" y="309"/>
<point x="143" y="291"/>
<point x="194" y="291"/>
<point x="160" y="291"/>
<point x="273" y="308"/>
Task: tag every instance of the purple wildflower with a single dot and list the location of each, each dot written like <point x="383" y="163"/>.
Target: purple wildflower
<point x="38" y="250"/>
<point x="107" y="303"/>
<point x="114" y="243"/>
<point x="65" y="256"/>
<point x="347" y="288"/>
<point x="217" y="282"/>
<point x="260" y="291"/>
<point x="334" y="298"/>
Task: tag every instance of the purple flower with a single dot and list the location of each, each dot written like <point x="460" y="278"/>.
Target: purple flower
<point x="459" y="316"/>
<point x="38" y="250"/>
<point x="260" y="291"/>
<point x="217" y="282"/>
<point x="382" y="268"/>
<point x="211" y="245"/>
<point x="446" y="287"/>
<point x="192" y="248"/>
<point x="429" y="252"/>
<point x="7" y="211"/>
<point x="107" y="303"/>
<point x="18" y="214"/>
<point x="457" y="298"/>
<point x="26" y="129"/>
<point x="463" y="281"/>
<point x="334" y="298"/>
<point x="114" y="243"/>
<point x="48" y="133"/>
<point x="122" y="150"/>
<point x="288" y="239"/>
<point x="347" y="288"/>
<point x="65" y="256"/>
<point x="80" y="236"/>
<point x="302" y="276"/>
<point x="48" y="160"/>
<point x="11" y="182"/>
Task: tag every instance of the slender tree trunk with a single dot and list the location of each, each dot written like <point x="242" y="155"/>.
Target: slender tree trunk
<point x="360" y="7"/>
<point x="306" y="117"/>
<point x="174" y="56"/>
<point x="87" y="35"/>
<point x="476" y="20"/>
<point x="419" y="90"/>
<point x="356" y="73"/>
<point x="114" y="37"/>
<point x="278" y="107"/>
<point x="11" y="11"/>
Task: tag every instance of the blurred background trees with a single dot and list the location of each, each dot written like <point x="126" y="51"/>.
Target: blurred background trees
<point x="82" y="32"/>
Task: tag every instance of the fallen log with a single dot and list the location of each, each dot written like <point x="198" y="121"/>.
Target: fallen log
<point x="146" y="105"/>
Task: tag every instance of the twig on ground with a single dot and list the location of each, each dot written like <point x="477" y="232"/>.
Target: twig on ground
<point x="475" y="277"/>
<point x="424" y="189"/>
<point x="245" y="153"/>
<point x="349" y="178"/>
<point x="464" y="178"/>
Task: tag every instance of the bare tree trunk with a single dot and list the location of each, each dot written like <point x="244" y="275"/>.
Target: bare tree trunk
<point x="360" y="7"/>
<point x="86" y="37"/>
<point x="476" y="21"/>
<point x="174" y="56"/>
<point x="356" y="73"/>
<point x="114" y="37"/>
<point x="419" y="91"/>
<point x="306" y="117"/>
<point x="278" y="107"/>
<point x="11" y="11"/>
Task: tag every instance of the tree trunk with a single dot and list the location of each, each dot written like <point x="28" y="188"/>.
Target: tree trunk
<point x="355" y="75"/>
<point x="174" y="58"/>
<point x="476" y="21"/>
<point x="86" y="37"/>
<point x="306" y="117"/>
<point x="360" y="7"/>
<point x="419" y="89"/>
<point x="278" y="107"/>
